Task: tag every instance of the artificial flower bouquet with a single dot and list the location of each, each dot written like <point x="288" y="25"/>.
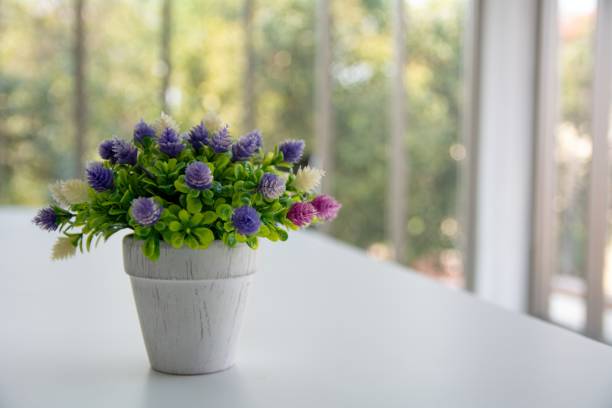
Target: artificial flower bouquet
<point x="188" y="190"/>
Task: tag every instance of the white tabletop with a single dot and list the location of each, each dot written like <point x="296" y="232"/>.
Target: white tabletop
<point x="326" y="326"/>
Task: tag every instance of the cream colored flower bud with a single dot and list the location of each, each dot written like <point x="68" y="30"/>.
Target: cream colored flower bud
<point x="165" y="121"/>
<point x="75" y="191"/>
<point x="56" y="193"/>
<point x="307" y="179"/>
<point x="62" y="249"/>
<point x="212" y="122"/>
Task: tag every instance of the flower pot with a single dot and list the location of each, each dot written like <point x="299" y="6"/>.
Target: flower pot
<point x="190" y="303"/>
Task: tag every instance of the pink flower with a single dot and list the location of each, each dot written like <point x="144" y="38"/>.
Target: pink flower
<point x="327" y="207"/>
<point x="301" y="214"/>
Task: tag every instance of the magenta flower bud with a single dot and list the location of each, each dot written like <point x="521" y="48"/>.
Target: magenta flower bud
<point x="301" y="214"/>
<point x="327" y="207"/>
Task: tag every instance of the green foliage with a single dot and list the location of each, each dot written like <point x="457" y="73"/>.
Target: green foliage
<point x="189" y="217"/>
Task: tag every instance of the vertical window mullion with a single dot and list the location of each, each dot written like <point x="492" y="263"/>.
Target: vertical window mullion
<point x="398" y="174"/>
<point x="468" y="188"/>
<point x="544" y="217"/>
<point x="249" y="68"/>
<point x="323" y="92"/>
<point x="598" y="185"/>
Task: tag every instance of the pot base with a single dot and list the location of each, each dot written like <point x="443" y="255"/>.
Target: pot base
<point x="191" y="327"/>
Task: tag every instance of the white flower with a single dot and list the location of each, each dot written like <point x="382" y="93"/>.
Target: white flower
<point x="307" y="179"/>
<point x="62" y="249"/>
<point x="56" y="192"/>
<point x="165" y="121"/>
<point x="212" y="122"/>
<point x="75" y="191"/>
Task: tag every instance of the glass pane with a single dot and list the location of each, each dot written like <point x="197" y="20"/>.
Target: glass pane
<point x="362" y="53"/>
<point x="573" y="154"/>
<point x="434" y="79"/>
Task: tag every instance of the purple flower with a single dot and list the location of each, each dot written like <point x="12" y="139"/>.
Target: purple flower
<point x="106" y="150"/>
<point x="246" y="220"/>
<point x="198" y="176"/>
<point x="292" y="150"/>
<point x="99" y="177"/>
<point x="169" y="142"/>
<point x="301" y="214"/>
<point x="246" y="146"/>
<point x="327" y="207"/>
<point x="125" y="152"/>
<point x="271" y="186"/>
<point x="46" y="219"/>
<point x="220" y="141"/>
<point x="198" y="136"/>
<point x="143" y="130"/>
<point x="145" y="211"/>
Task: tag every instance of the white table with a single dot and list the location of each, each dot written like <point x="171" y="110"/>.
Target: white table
<point x="326" y="327"/>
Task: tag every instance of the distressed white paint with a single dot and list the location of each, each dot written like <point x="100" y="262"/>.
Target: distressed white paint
<point x="190" y="304"/>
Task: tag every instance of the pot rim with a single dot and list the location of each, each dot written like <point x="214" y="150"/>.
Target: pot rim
<point x="218" y="261"/>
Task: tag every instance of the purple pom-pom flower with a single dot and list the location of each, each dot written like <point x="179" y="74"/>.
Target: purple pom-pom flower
<point x="106" y="150"/>
<point x="327" y="207"/>
<point x="292" y="150"/>
<point x="99" y="177"/>
<point x="246" y="146"/>
<point x="143" y="130"/>
<point x="246" y="220"/>
<point x="125" y="152"/>
<point x="198" y="136"/>
<point x="46" y="219"/>
<point x="271" y="186"/>
<point x="198" y="176"/>
<point x="145" y="211"/>
<point x="301" y="214"/>
<point x="220" y="141"/>
<point x="170" y="143"/>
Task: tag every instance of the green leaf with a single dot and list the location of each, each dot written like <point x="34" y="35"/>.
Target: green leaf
<point x="192" y="242"/>
<point x="263" y="231"/>
<point x="183" y="216"/>
<point x="171" y="164"/>
<point x="180" y="185"/>
<point x="160" y="226"/>
<point x="175" y="226"/>
<point x="149" y="247"/>
<point x="209" y="217"/>
<point x="231" y="239"/>
<point x="205" y="236"/>
<point x="239" y="185"/>
<point x="88" y="244"/>
<point x="174" y="209"/>
<point x="196" y="219"/>
<point x="237" y="170"/>
<point x="224" y="211"/>
<point x="194" y="205"/>
<point x="176" y="240"/>
<point x="282" y="234"/>
<point x="253" y="242"/>
<point x="273" y="235"/>
<point x="221" y="162"/>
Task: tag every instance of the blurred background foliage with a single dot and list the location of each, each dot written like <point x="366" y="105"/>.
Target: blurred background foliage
<point x="124" y="72"/>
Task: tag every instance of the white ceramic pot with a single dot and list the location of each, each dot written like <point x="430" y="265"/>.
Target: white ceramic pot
<point x="190" y="303"/>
